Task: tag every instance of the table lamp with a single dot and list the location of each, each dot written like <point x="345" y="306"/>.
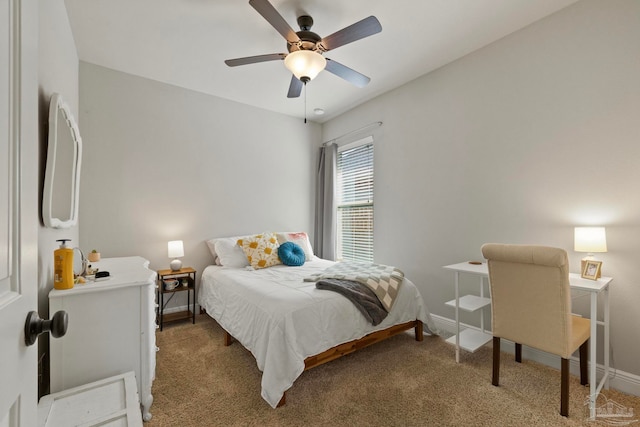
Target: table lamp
<point x="590" y="240"/>
<point x="176" y="250"/>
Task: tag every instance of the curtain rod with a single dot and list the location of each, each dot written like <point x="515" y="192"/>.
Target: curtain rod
<point x="363" y="128"/>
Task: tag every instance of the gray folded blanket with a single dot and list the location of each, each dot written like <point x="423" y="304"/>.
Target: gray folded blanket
<point x="360" y="295"/>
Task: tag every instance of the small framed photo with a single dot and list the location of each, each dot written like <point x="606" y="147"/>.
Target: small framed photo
<point x="591" y="270"/>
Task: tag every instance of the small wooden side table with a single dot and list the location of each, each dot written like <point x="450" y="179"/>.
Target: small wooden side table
<point x="186" y="277"/>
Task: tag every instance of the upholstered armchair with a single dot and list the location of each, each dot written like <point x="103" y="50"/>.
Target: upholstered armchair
<point x="531" y="305"/>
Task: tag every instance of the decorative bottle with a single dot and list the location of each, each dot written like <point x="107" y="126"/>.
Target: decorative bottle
<point x="63" y="266"/>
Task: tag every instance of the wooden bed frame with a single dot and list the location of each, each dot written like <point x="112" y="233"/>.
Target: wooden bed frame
<point x="349" y="347"/>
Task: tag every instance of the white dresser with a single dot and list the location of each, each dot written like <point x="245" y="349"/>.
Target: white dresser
<point x="111" y="328"/>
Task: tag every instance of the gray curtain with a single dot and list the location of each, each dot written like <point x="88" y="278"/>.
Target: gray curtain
<point x="325" y="226"/>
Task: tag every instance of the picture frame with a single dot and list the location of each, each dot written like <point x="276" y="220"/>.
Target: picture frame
<point x="591" y="270"/>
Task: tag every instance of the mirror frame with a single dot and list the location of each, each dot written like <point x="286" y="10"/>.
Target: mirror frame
<point x="58" y="106"/>
<point x="79" y="262"/>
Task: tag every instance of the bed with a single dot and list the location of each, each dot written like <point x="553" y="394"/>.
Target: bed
<point x="290" y="326"/>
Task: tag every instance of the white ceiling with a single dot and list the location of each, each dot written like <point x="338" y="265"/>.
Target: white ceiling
<point x="185" y="43"/>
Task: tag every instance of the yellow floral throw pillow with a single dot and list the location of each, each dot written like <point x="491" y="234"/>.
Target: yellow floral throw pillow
<point x="261" y="250"/>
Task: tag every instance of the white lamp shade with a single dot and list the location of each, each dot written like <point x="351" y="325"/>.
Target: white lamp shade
<point x="590" y="239"/>
<point x="175" y="249"/>
<point x="305" y="63"/>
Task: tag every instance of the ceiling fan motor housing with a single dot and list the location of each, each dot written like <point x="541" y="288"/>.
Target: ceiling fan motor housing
<point x="308" y="39"/>
<point x="305" y="22"/>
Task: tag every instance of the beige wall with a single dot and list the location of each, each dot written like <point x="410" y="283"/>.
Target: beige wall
<point x="163" y="163"/>
<point x="518" y="143"/>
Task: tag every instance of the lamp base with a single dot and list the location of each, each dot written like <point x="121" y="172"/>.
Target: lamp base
<point x="175" y="265"/>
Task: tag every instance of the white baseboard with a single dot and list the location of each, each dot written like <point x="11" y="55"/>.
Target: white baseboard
<point x="619" y="380"/>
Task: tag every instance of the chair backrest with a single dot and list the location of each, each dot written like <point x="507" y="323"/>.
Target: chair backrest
<point x="530" y="295"/>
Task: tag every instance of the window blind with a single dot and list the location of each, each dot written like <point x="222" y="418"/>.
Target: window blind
<point x="355" y="204"/>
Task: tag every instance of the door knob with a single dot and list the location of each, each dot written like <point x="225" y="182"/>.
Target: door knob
<point x="35" y="326"/>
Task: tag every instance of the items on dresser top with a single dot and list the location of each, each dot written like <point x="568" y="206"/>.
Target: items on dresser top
<point x="63" y="266"/>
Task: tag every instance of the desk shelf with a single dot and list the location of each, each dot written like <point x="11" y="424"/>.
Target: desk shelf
<point x="470" y="303"/>
<point x="471" y="339"/>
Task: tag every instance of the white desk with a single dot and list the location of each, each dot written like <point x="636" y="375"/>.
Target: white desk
<point x="469" y="339"/>
<point x="594" y="287"/>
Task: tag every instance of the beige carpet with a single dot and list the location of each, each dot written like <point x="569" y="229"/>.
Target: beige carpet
<point x="399" y="382"/>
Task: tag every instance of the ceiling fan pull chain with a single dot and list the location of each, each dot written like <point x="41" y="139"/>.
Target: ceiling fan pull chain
<point x="305" y="102"/>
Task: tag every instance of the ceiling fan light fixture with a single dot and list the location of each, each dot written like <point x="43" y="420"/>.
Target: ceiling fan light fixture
<point x="305" y="64"/>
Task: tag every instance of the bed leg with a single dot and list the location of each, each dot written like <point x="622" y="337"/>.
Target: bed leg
<point x="228" y="339"/>
<point x="283" y="400"/>
<point x="418" y="330"/>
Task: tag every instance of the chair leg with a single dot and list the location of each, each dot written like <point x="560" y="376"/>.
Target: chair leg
<point x="584" y="363"/>
<point x="518" y="353"/>
<point x="496" y="361"/>
<point x="564" y="388"/>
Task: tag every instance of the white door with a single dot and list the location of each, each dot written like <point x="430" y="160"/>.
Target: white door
<point x="18" y="209"/>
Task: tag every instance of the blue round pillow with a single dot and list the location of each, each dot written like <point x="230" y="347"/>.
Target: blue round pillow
<point x="291" y="254"/>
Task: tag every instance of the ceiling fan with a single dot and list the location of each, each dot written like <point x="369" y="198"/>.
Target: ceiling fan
<point x="305" y="58"/>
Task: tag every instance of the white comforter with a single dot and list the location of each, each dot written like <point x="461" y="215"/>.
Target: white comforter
<point x="282" y="320"/>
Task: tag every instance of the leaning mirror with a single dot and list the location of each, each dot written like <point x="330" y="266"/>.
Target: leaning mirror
<point x="62" y="171"/>
<point x="79" y="262"/>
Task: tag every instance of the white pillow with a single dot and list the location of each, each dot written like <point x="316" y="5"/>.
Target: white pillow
<point x="211" y="244"/>
<point x="229" y="253"/>
<point x="299" y="238"/>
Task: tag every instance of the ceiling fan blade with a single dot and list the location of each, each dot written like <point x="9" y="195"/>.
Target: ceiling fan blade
<point x="254" y="59"/>
<point x="352" y="76"/>
<point x="359" y="30"/>
<point x="295" y="87"/>
<point x="276" y="20"/>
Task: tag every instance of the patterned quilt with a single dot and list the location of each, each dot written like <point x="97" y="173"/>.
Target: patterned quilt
<point x="383" y="280"/>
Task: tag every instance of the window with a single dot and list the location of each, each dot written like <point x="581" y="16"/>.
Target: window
<point x="355" y="201"/>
